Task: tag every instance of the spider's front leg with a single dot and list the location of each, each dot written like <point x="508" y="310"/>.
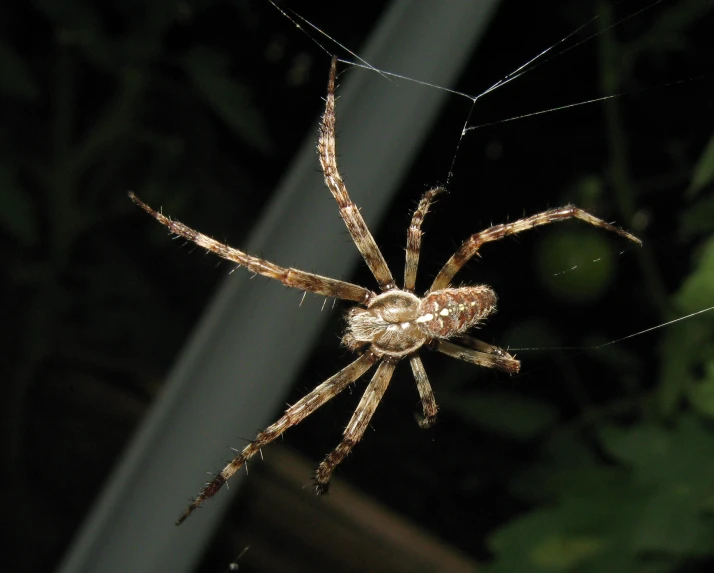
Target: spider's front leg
<point x="295" y="278"/>
<point x="293" y="415"/>
<point x="327" y="151"/>
<point x="471" y="246"/>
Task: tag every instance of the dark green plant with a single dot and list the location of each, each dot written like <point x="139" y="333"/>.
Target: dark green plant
<point x="627" y="484"/>
<point x="95" y="100"/>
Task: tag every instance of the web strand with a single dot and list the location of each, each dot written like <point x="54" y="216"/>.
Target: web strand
<point x="545" y="56"/>
<point x="617" y="340"/>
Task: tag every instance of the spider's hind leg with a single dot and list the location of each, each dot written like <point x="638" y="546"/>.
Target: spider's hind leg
<point x="357" y="425"/>
<point x="428" y="402"/>
<point x="293" y="415"/>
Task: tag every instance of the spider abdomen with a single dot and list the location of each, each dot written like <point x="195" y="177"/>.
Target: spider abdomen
<point x="452" y="311"/>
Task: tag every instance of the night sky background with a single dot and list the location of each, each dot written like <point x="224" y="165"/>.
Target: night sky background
<point x="199" y="106"/>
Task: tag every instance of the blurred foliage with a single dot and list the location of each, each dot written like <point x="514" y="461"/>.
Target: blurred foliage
<point x="555" y="253"/>
<point x="643" y="505"/>
<point x="157" y="97"/>
<point x="626" y="485"/>
<point x="97" y="99"/>
<point x="515" y="417"/>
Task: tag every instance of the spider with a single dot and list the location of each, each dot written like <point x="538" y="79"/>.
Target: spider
<point x="389" y="326"/>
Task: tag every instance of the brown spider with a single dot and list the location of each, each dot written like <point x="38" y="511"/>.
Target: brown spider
<point x="394" y="324"/>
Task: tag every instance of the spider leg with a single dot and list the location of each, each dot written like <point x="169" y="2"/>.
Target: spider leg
<point x="291" y="277"/>
<point x="471" y="246"/>
<point x="327" y="151"/>
<point x="414" y="235"/>
<point x="293" y="415"/>
<point x="357" y="425"/>
<point x="428" y="403"/>
<point x="479" y="353"/>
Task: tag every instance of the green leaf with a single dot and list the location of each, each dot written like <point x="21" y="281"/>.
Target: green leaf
<point x="677" y="466"/>
<point x="647" y="517"/>
<point x="703" y="171"/>
<point x="685" y="341"/>
<point x="673" y="522"/>
<point x="16" y="216"/>
<point x="697" y="291"/>
<point x="678" y="358"/>
<point x="557" y="482"/>
<point x="659" y="454"/>
<point x="701" y="394"/>
<point x="698" y="219"/>
<point x="540" y="541"/>
<point x="588" y="530"/>
<point x="561" y="552"/>
<point x="512" y="415"/>
<point x="229" y="99"/>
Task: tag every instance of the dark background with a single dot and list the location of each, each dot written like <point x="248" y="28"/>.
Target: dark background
<point x="197" y="106"/>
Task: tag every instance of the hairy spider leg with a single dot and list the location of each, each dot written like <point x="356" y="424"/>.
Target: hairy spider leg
<point x="293" y="415"/>
<point x="414" y="235"/>
<point x="471" y="246"/>
<point x="488" y="357"/>
<point x="428" y="402"/>
<point x="327" y="151"/>
<point x="295" y="278"/>
<point x="411" y="264"/>
<point x="357" y="425"/>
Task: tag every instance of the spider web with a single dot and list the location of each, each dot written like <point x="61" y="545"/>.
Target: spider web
<point x="495" y="162"/>
<point x="561" y="120"/>
<point x="500" y="171"/>
<point x="537" y="142"/>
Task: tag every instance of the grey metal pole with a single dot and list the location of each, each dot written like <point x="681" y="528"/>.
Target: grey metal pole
<point x="253" y="338"/>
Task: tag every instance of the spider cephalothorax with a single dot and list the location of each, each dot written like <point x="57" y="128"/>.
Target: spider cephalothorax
<point x="388" y="327"/>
